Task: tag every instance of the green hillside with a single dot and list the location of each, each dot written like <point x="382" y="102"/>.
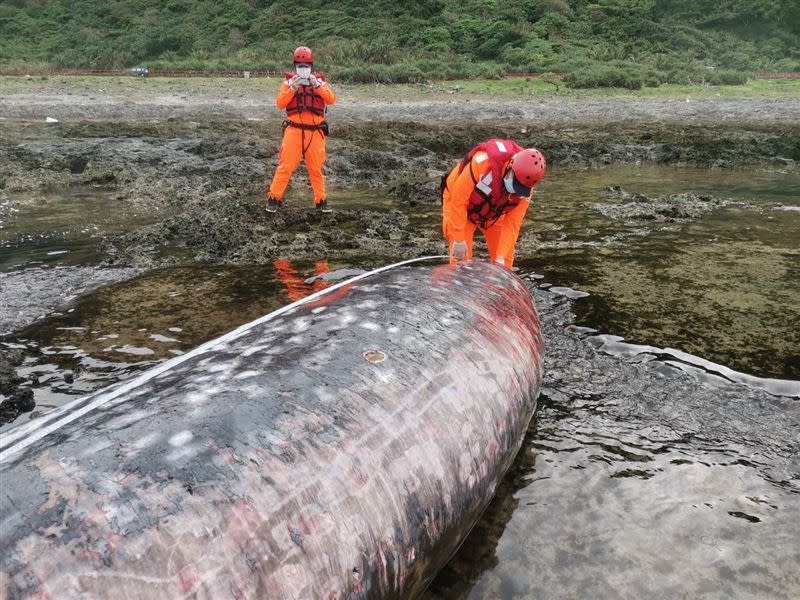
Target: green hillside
<point x="620" y="42"/>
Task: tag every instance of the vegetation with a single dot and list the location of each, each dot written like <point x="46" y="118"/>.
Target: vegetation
<point x="620" y="43"/>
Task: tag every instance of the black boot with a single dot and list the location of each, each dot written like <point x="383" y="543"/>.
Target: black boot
<point x="272" y="204"/>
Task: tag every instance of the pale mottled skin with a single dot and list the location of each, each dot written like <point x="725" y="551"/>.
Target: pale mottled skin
<point x="282" y="464"/>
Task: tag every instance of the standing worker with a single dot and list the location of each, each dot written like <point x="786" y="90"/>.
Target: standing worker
<point x="305" y="95"/>
<point x="490" y="189"/>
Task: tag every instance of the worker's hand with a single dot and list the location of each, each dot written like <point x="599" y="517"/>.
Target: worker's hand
<point x="292" y="83"/>
<point x="314" y="81"/>
<point x="459" y="250"/>
<point x="500" y="260"/>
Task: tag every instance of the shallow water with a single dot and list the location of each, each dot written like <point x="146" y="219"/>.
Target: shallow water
<point x="62" y="225"/>
<point x="602" y="507"/>
<point x="725" y="287"/>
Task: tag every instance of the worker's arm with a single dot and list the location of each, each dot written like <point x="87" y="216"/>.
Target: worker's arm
<point x="325" y="91"/>
<point x="285" y="96"/>
<point x="512" y="222"/>
<point x="456" y="219"/>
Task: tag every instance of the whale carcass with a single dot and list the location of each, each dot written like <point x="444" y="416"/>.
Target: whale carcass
<point x="342" y="447"/>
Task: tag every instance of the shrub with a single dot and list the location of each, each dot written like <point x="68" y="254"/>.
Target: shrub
<point x="617" y="74"/>
<point x="727" y="78"/>
<point x="397" y="73"/>
<point x="788" y="64"/>
<point x="417" y="72"/>
<point x="604" y="42"/>
<point x="703" y="76"/>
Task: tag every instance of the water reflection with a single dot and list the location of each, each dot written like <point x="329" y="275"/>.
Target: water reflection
<point x="601" y="505"/>
<point x="296" y="286"/>
<point x="478" y="553"/>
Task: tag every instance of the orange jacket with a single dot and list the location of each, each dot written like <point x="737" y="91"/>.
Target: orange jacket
<point x="307" y="117"/>
<point x="460" y="188"/>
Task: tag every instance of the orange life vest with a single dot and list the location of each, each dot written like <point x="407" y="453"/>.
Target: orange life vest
<point x="306" y="98"/>
<point x="490" y="200"/>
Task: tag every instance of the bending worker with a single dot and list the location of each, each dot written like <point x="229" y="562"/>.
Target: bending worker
<point x="305" y="95"/>
<point x="490" y="189"/>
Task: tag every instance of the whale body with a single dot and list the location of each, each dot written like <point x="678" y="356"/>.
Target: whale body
<point x="342" y="447"/>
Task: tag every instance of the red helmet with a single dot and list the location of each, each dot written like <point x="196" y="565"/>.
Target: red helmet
<point x="303" y="54"/>
<point x="528" y="166"/>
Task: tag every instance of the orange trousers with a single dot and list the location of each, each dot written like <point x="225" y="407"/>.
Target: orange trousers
<point x="491" y="233"/>
<point x="299" y="144"/>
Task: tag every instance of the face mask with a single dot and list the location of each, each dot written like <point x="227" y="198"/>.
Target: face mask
<point x="304" y="72"/>
<point x="510" y="183"/>
<point x="508" y="180"/>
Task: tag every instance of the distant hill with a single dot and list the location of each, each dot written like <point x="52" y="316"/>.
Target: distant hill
<point x="648" y="40"/>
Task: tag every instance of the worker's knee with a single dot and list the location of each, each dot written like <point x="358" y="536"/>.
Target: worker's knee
<point x="315" y="156"/>
<point x="290" y="157"/>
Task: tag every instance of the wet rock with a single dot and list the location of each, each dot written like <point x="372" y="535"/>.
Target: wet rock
<point x="239" y="231"/>
<point x="13" y="399"/>
<point x="8" y="377"/>
<point x="167" y="160"/>
<point x="23" y="400"/>
<point x="417" y="192"/>
<point x="29" y="294"/>
<point x="20" y="402"/>
<point x="674" y="207"/>
<point x="613" y="191"/>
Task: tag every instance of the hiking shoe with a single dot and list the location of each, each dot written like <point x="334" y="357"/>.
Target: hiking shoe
<point x="272" y="205"/>
<point x="322" y="206"/>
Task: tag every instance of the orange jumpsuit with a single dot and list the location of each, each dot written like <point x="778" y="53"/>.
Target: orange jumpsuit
<point x="299" y="144"/>
<point x="501" y="236"/>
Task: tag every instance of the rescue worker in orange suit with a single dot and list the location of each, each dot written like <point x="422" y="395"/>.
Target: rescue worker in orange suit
<point x="305" y="96"/>
<point x="490" y="190"/>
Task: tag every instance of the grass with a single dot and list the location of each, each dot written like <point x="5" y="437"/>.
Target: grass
<point x="494" y="89"/>
<point x="513" y="88"/>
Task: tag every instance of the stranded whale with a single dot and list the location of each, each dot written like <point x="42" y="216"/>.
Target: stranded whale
<point x="341" y="447"/>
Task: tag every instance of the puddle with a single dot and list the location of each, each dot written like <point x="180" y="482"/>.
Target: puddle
<point x="602" y="507"/>
<point x="61" y="226"/>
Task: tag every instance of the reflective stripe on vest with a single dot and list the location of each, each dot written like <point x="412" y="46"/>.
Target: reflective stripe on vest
<point x="490" y="200"/>
<point x="485" y="184"/>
